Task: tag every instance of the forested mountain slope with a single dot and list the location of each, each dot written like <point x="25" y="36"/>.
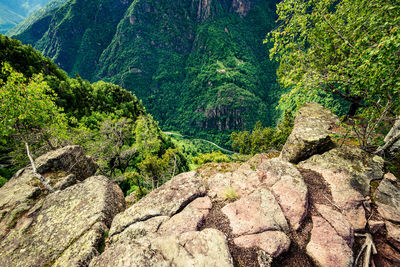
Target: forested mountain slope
<point x="200" y="66"/>
<point x="13" y="12"/>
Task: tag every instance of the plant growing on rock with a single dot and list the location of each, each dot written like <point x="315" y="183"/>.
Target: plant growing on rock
<point x="28" y="112"/>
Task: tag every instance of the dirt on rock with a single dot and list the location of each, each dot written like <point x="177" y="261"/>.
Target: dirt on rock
<point x="216" y="219"/>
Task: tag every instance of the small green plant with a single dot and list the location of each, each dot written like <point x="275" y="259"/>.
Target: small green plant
<point x="230" y="195"/>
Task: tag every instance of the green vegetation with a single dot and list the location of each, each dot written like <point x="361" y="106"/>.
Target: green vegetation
<point x="2" y="181"/>
<point x="230" y="195"/>
<point x="263" y="139"/>
<point x="39" y="100"/>
<point x="203" y="73"/>
<point x="210" y="157"/>
<point x="345" y="50"/>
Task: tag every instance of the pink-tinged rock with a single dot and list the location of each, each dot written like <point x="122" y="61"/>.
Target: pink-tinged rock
<point x="256" y="213"/>
<point x="189" y="219"/>
<point x="349" y="172"/>
<point x="243" y="180"/>
<point x="338" y="221"/>
<point x="289" y="188"/>
<point x="344" y="194"/>
<point x="393" y="234"/>
<point x="272" y="242"/>
<point x="326" y="247"/>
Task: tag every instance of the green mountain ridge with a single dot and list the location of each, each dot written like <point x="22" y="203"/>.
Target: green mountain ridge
<point x="199" y="66"/>
<point x="15" y="11"/>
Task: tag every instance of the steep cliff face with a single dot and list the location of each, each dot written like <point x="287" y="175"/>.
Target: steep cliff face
<point x="178" y="56"/>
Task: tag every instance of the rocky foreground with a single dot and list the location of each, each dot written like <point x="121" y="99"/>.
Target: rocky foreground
<point x="316" y="205"/>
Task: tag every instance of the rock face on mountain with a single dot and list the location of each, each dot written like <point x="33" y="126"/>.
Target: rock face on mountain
<point x="329" y="210"/>
<point x="64" y="228"/>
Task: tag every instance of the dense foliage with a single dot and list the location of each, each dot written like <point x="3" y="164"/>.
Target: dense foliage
<point x="200" y="67"/>
<point x="348" y="49"/>
<point x="263" y="139"/>
<point x="108" y="121"/>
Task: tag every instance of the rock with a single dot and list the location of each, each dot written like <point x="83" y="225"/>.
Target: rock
<point x="243" y="181"/>
<point x="348" y="171"/>
<point x="23" y="190"/>
<point x="66" y="227"/>
<point x="70" y="159"/>
<point x="255" y="213"/>
<point x="189" y="219"/>
<point x="140" y="230"/>
<point x="326" y="247"/>
<point x="393" y="234"/>
<point x="376" y="226"/>
<point x="129" y="253"/>
<point x="387" y="198"/>
<point x="288" y="187"/>
<point x="204" y="248"/>
<point x="272" y="242"/>
<point x="310" y="134"/>
<point x="167" y="200"/>
<point x="338" y="221"/>
<point x="390" y="176"/>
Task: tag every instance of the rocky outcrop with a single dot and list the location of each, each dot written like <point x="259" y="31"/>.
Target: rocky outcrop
<point x="348" y="171"/>
<point x="64" y="228"/>
<point x="200" y="248"/>
<point x="311" y="133"/>
<point x="309" y="214"/>
<point x="162" y="229"/>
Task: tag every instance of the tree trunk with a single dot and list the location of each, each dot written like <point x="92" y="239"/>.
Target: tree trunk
<point x="35" y="173"/>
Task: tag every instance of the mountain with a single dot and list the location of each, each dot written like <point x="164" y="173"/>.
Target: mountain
<point x="39" y="14"/>
<point x="13" y="12"/>
<point x="199" y="66"/>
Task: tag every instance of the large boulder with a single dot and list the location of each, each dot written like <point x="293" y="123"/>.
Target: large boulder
<point x="348" y="171"/>
<point x="167" y="200"/>
<point x="196" y="248"/>
<point x="65" y="228"/>
<point x="62" y="168"/>
<point x="163" y="229"/>
<point x="311" y="133"/>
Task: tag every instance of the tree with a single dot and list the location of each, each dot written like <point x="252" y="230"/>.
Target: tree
<point x="348" y="48"/>
<point x="28" y="111"/>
